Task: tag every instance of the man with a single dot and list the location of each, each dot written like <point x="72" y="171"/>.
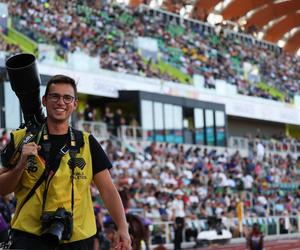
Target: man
<point x="69" y="160"/>
<point x="255" y="240"/>
<point x="178" y="215"/>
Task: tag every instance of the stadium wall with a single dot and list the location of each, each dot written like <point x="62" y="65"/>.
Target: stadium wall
<point x="242" y="127"/>
<point x="108" y="83"/>
<point x="249" y="113"/>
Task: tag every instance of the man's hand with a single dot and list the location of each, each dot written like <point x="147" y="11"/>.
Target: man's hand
<point x="123" y="240"/>
<point x="9" y="178"/>
<point x="29" y="149"/>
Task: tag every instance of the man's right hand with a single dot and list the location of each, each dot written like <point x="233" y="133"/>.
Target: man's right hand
<point x="9" y="178"/>
<point x="29" y="149"/>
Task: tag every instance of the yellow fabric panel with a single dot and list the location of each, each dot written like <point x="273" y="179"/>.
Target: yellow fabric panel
<point x="59" y="195"/>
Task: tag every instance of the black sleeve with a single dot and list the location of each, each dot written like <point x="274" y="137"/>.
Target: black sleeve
<point x="100" y="160"/>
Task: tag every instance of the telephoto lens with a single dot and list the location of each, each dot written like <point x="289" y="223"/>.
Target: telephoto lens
<point x="25" y="82"/>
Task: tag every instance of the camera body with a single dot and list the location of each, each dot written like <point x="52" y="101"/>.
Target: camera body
<point x="56" y="226"/>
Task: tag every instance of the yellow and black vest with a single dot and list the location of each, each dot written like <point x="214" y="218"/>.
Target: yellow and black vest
<point x="27" y="217"/>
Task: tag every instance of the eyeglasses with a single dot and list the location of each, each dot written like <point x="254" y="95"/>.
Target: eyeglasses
<point x="54" y="97"/>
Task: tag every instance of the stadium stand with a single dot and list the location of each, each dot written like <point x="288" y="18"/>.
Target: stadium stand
<point x="188" y="48"/>
<point x="9" y="47"/>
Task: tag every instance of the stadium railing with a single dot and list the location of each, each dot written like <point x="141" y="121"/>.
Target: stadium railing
<point x="98" y="129"/>
<point x="135" y="134"/>
<point x="271" y="146"/>
<point x="132" y="133"/>
<point x="162" y="232"/>
<point x="205" y="27"/>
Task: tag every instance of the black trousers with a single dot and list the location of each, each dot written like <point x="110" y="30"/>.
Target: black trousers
<point x="178" y="231"/>
<point x="4" y="235"/>
<point x="28" y="241"/>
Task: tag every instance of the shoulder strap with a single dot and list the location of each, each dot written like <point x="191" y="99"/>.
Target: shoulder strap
<point x="74" y="149"/>
<point x="79" y="138"/>
<point x="35" y="187"/>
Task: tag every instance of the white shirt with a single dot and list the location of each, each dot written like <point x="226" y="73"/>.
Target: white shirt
<point x="202" y="192"/>
<point x="177" y="208"/>
<point x="248" y="181"/>
<point x="260" y="150"/>
<point x="220" y="179"/>
<point x="193" y="199"/>
<point x="262" y="200"/>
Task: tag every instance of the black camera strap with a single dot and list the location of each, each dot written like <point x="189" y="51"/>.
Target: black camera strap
<point x="51" y="169"/>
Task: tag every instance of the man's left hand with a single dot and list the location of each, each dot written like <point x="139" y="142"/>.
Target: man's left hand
<point x="123" y="240"/>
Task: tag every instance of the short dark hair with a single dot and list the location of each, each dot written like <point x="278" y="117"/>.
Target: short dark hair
<point x="61" y="79"/>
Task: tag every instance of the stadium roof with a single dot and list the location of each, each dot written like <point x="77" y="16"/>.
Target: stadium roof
<point x="277" y="21"/>
<point x="274" y="20"/>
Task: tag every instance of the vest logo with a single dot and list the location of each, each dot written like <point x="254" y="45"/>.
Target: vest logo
<point x="77" y="162"/>
<point x="79" y="176"/>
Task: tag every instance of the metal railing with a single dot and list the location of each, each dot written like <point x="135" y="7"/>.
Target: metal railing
<point x="270" y="146"/>
<point x="238" y="143"/>
<point x="244" y="145"/>
<point x="162" y="232"/>
<point x="129" y="134"/>
<point x="132" y="133"/>
<point x="138" y="134"/>
<point x="168" y="17"/>
<point x="98" y="129"/>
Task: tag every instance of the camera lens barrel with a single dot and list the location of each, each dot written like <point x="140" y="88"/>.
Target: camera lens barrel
<point x="54" y="234"/>
<point x="56" y="226"/>
<point x="25" y="82"/>
<point x="22" y="73"/>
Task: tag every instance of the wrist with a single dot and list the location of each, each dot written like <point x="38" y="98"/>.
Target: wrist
<point x="123" y="226"/>
<point x="21" y="165"/>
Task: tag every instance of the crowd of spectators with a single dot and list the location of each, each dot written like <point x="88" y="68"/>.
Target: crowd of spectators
<point x="109" y="32"/>
<point x="113" y="119"/>
<point x="10" y="48"/>
<point x="210" y="183"/>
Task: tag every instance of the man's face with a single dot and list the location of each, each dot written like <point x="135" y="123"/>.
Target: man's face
<point x="60" y="102"/>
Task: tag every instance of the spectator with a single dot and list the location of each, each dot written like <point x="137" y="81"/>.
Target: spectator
<point x="108" y="119"/>
<point x="118" y="120"/>
<point x="255" y="240"/>
<point x="260" y="151"/>
<point x="89" y="113"/>
<point x="178" y="215"/>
